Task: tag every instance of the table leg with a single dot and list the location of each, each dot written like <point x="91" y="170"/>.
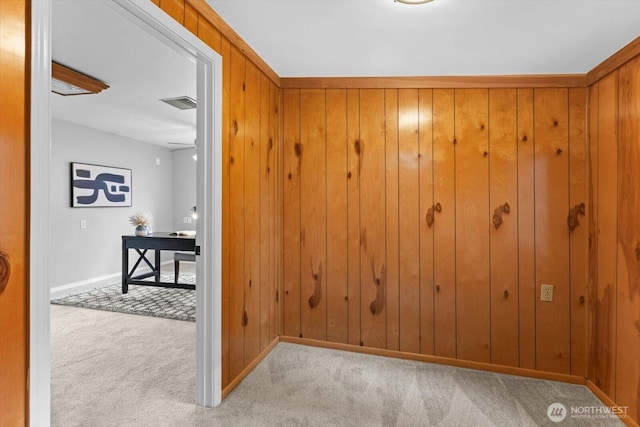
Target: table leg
<point x="125" y="267"/>
<point x="157" y="251"/>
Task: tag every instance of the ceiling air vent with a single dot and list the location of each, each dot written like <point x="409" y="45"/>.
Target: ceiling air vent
<point x="181" y="102"/>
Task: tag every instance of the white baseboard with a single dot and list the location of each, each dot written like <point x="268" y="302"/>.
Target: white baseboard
<point x="93" y="283"/>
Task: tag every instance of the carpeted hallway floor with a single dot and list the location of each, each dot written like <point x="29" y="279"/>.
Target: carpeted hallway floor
<point x="114" y="369"/>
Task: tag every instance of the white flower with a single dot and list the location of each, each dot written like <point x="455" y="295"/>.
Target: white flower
<point x="140" y="218"/>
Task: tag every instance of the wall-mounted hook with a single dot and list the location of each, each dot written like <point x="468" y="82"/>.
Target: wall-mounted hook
<point x="572" y="219"/>
<point x="497" y="214"/>
<point x="431" y="213"/>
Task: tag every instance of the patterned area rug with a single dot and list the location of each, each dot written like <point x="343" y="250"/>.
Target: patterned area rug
<point x="179" y="304"/>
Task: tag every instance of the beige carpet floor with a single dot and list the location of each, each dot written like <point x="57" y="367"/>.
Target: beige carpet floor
<point x="115" y="369"/>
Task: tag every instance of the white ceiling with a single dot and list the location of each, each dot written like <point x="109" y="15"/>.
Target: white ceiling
<point x="327" y="38"/>
<point x="340" y="38"/>
<point x="94" y="37"/>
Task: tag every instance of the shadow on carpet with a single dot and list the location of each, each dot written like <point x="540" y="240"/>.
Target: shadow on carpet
<point x="170" y="303"/>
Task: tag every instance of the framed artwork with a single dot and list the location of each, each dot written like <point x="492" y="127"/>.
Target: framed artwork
<point x="99" y="186"/>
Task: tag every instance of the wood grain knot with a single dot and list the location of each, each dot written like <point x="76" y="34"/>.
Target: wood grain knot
<point x="357" y="146"/>
<point x="245" y="318"/>
<point x="555" y="123"/>
<point x="581" y="299"/>
<point x="481" y="127"/>
<point x="525" y="139"/>
<point x="346" y="298"/>
<point x="270" y="144"/>
<point x="286" y="292"/>
<point x="297" y="147"/>
<point x="497" y="214"/>
<point x="231" y="160"/>
<point x="506" y="293"/>
<point x="377" y="304"/>
<point x="455" y="141"/>
<point x="572" y="218"/>
<point x="244" y="87"/>
<point x="290" y="176"/>
<point x="437" y="288"/>
<point x="638" y="252"/>
<point x="235" y="127"/>
<point x="5" y="271"/>
<point x="314" y="299"/>
<point x="250" y="282"/>
<point x="559" y="151"/>
<point x="349" y="175"/>
<point x="485" y="154"/>
<point x="431" y="217"/>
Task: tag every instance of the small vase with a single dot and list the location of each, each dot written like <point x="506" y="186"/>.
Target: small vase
<point x="142" y="230"/>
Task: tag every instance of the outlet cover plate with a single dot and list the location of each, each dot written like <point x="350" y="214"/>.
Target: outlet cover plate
<point x="546" y="293"/>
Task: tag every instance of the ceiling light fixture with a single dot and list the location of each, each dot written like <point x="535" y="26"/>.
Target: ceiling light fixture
<point x="412" y="1"/>
<point x="66" y="81"/>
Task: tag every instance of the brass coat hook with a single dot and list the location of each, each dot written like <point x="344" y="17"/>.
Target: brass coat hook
<point x="497" y="214"/>
<point x="572" y="219"/>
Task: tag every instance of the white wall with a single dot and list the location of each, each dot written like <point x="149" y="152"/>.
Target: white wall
<point x="184" y="188"/>
<point x="77" y="254"/>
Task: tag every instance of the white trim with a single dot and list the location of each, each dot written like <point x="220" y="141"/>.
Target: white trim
<point x="93" y="283"/>
<point x="208" y="192"/>
<point x="81" y="286"/>
<point x="39" y="227"/>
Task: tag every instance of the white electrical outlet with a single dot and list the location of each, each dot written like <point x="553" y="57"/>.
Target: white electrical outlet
<point x="83" y="223"/>
<point x="546" y="293"/>
<point x="185" y="219"/>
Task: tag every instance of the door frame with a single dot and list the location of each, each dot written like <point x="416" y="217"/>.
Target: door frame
<point x="208" y="199"/>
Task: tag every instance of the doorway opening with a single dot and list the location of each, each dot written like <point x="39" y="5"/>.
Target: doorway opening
<point x="155" y="22"/>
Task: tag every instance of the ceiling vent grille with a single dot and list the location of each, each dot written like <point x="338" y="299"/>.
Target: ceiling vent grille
<point x="181" y="102"/>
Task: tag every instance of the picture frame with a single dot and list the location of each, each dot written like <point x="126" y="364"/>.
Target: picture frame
<point x="100" y="186"/>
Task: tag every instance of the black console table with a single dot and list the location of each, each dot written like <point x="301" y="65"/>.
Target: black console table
<point x="157" y="242"/>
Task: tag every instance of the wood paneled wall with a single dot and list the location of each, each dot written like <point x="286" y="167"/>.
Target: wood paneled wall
<point x="14" y="194"/>
<point x="425" y="221"/>
<point x="614" y="186"/>
<point x="250" y="208"/>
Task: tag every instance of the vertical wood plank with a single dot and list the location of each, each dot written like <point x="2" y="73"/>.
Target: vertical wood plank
<point x="503" y="189"/>
<point x="593" y="228"/>
<point x="353" y="213"/>
<point x="291" y="251"/>
<point x="628" y="305"/>
<point x="227" y="138"/>
<point x="578" y="239"/>
<point x="472" y="224"/>
<point x="280" y="207"/>
<point x="391" y="220"/>
<point x="265" y="214"/>
<point x="272" y="169"/>
<point x="14" y="193"/>
<point x="444" y="223"/>
<point x="409" y="221"/>
<point x="372" y="218"/>
<point x="252" y="212"/>
<point x="313" y="211"/>
<point x="608" y="233"/>
<point x="236" y="213"/>
<point x="337" y="249"/>
<point x="174" y="8"/>
<point x="209" y="34"/>
<point x="191" y="18"/>
<point x="526" y="231"/>
<point x="425" y="160"/>
<point x="552" y="234"/>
